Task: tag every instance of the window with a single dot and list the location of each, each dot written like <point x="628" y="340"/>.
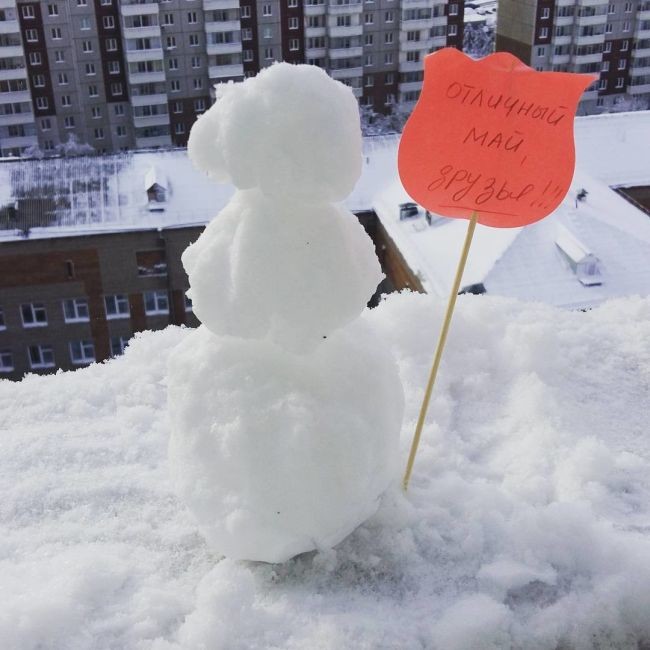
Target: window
<point x="389" y="16"/>
<point x="608" y="47"/>
<point x="628" y="7"/>
<point x="111" y="44"/>
<point x="245" y="11"/>
<point x="82" y="352"/>
<point x="33" y="314"/>
<point x="294" y="44"/>
<point x="93" y="91"/>
<point x="611" y="8"/>
<point x="31" y="35"/>
<point x="117" y="306"/>
<point x="116" y="88"/>
<point x="68" y="122"/>
<point x="82" y="3"/>
<point x="87" y="46"/>
<point x="90" y="69"/>
<point x="192" y="18"/>
<point x="66" y="100"/>
<point x="75" y="310"/>
<point x="541" y="51"/>
<point x="120" y="131"/>
<point x="604" y="67"/>
<point x="118" y="109"/>
<point x="622" y="64"/>
<point x="246" y="34"/>
<point x="390" y="98"/>
<point x="609" y="28"/>
<point x="620" y="82"/>
<point x="625" y="46"/>
<point x="28" y="11"/>
<point x="177" y="107"/>
<point x="188" y="304"/>
<point x="267" y="10"/>
<point x="156" y="302"/>
<point x="413" y="56"/>
<point x="42" y="103"/>
<point x="108" y="22"/>
<point x="369" y="81"/>
<point x="197" y="83"/>
<point x="56" y="33"/>
<point x="35" y="58"/>
<point x="369" y="19"/>
<point x="99" y="133"/>
<point x="106" y="3"/>
<point x="6" y="361"/>
<point x="602" y="84"/>
<point x="179" y="128"/>
<point x="543" y="32"/>
<point x="38" y="80"/>
<point x="40" y="356"/>
<point x="247" y="56"/>
<point x="546" y="13"/>
<point x="626" y="25"/>
<point x="388" y="38"/>
<point x="389" y="79"/>
<point x="96" y="112"/>
<point x="46" y="124"/>
<point x="118" y="344"/>
<point x="3" y="325"/>
<point x="267" y="32"/>
<point x="52" y="9"/>
<point x="171" y="42"/>
<point x="368" y="60"/>
<point x="172" y="64"/>
<point x="199" y="105"/>
<point x="293" y="4"/>
<point x="388" y="58"/>
<point x="196" y="62"/>
<point x="194" y="40"/>
<point x="114" y="67"/>
<point x="84" y="23"/>
<point x="174" y="86"/>
<point x="453" y="9"/>
<point x="59" y="56"/>
<point x="293" y="23"/>
<point x="268" y="53"/>
<point x="368" y="39"/>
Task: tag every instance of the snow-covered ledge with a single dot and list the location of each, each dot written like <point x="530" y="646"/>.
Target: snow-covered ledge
<point x="526" y="522"/>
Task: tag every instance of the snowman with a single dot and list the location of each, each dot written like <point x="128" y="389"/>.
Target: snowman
<point x="285" y="406"/>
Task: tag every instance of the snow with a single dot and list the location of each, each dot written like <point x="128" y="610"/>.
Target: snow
<point x="527" y="522"/>
<point x="285" y="412"/>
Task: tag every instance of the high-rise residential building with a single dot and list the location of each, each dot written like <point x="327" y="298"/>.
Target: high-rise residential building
<point x="124" y="74"/>
<point x="607" y="37"/>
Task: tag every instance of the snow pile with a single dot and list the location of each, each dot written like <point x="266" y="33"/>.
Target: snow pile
<point x="285" y="411"/>
<point x="526" y="525"/>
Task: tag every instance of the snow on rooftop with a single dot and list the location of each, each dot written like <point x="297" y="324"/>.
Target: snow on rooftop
<point x="526" y="524"/>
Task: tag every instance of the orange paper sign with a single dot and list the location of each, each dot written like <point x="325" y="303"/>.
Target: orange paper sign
<point x="491" y="136"/>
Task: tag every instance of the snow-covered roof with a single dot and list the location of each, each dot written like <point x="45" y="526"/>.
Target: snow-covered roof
<point x="155" y="177"/>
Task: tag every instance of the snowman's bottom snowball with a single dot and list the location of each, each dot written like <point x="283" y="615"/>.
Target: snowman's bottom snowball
<point x="278" y="454"/>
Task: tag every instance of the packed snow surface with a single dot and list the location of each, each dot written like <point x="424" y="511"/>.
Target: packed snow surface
<point x="526" y="525"/>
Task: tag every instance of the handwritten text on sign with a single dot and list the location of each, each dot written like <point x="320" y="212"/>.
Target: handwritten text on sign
<point x="491" y="136"/>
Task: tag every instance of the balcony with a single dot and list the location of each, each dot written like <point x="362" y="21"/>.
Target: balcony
<point x="591" y="3"/>
<point x="643" y="31"/>
<point x="9" y="27"/>
<point x="152" y="31"/>
<point x="343" y="32"/>
<point x="583" y="59"/>
<point x="8" y="51"/>
<point x="345" y="52"/>
<point x="134" y="56"/>
<point x="223" y="26"/>
<point x="315" y="10"/>
<point x="140" y="121"/>
<point x="315" y="52"/>
<point x="410" y="66"/>
<point x="220" y="4"/>
<point x="139" y="9"/>
<point x="153" y="141"/>
<point x="315" y="32"/>
<point x="146" y="77"/>
<point x="415" y="4"/>
<point x="16" y="118"/>
<point x="420" y="23"/>
<point x="21" y="141"/>
<point x="224" y="48"/>
<point x="409" y="86"/>
<point x="560" y="59"/>
<point x="640" y="53"/>
<point x="409" y="46"/>
<point x="14" y="73"/>
<point x="340" y="10"/>
<point x="582" y="40"/>
<point x="347" y="73"/>
<point x="584" y="21"/>
<point x="15" y="97"/>
<point x="7" y="4"/>
<point x="563" y="21"/>
<point x="226" y="71"/>
<point x="641" y="89"/>
<point x="148" y="100"/>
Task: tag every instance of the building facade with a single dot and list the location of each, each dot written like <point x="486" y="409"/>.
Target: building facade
<point x="607" y="37"/>
<point x="125" y="74"/>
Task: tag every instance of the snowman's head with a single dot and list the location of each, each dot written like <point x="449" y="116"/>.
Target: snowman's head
<point x="291" y="131"/>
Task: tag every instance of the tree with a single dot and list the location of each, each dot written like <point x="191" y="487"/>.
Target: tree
<point x="74" y="148"/>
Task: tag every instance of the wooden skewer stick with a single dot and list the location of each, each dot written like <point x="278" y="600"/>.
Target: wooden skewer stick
<point x="441" y="344"/>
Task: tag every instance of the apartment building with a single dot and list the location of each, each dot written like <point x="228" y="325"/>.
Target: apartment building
<point x="125" y="74"/>
<point x="608" y="37"/>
